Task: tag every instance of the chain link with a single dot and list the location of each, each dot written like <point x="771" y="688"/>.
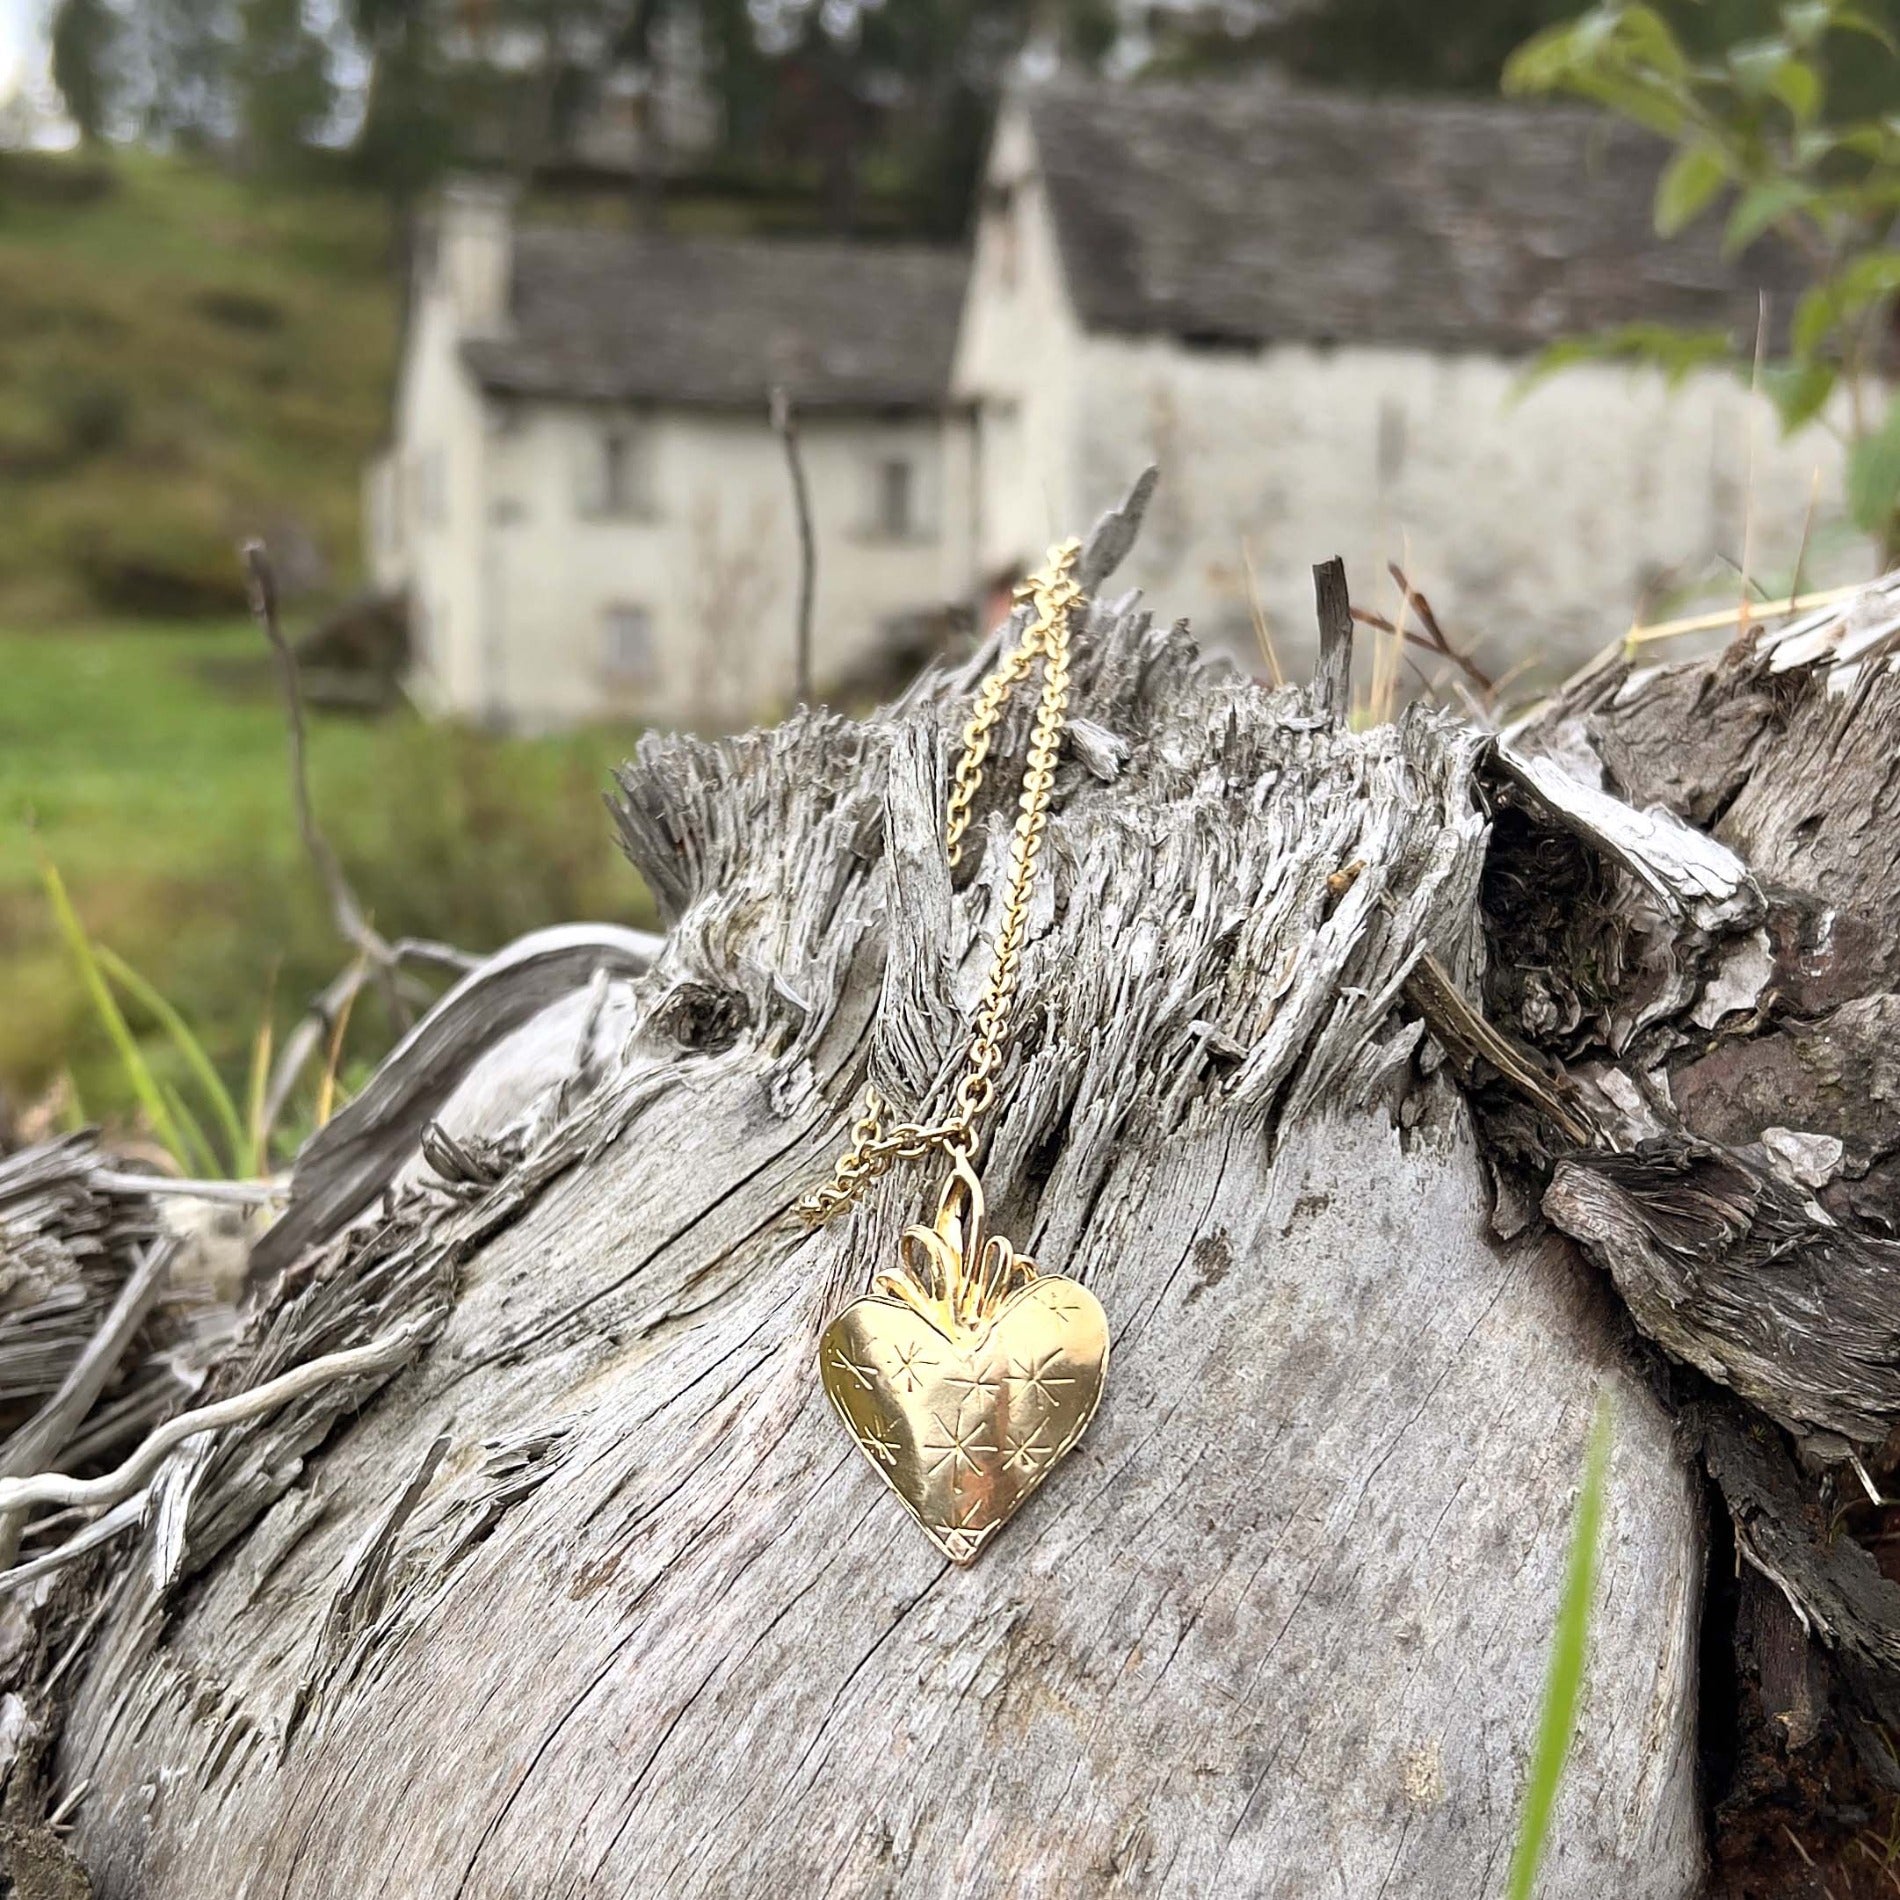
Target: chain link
<point x="1051" y="594"/>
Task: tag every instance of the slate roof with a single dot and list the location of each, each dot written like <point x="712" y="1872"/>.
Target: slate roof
<point x="721" y="321"/>
<point x="1245" y="212"/>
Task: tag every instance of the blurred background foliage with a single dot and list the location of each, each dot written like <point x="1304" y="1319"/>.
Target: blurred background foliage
<point x="187" y="359"/>
<point x="1801" y="146"/>
<point x="872" y="112"/>
<point x="150" y="769"/>
<point x="202" y="300"/>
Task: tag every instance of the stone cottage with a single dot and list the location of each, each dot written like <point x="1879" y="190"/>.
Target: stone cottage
<point x="1314" y="312"/>
<point x="584" y="499"/>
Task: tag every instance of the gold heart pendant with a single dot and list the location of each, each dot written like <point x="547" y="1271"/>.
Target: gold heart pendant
<point x="966" y="1375"/>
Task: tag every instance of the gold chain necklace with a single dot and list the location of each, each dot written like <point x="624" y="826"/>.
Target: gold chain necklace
<point x="965" y="1375"/>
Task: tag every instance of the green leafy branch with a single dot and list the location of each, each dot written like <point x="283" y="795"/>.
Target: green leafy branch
<point x="1758" y="124"/>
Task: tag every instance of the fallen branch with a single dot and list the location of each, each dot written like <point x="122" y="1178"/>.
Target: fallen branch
<point x="237" y="1193"/>
<point x="786" y="429"/>
<point x="1220" y="1120"/>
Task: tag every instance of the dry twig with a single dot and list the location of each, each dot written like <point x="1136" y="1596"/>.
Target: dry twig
<point x="785" y="426"/>
<point x="238" y="1193"/>
<point x="1727" y="617"/>
<point x="319" y="1021"/>
<point x="122" y="1517"/>
<point x="377" y="956"/>
<point x="350" y="920"/>
<point x="1430" y="634"/>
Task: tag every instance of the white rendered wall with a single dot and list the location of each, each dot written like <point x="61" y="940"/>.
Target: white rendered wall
<point x="438" y="483"/>
<point x="1019" y="364"/>
<point x="1538" y="525"/>
<point x="479" y="514"/>
<point x="713" y="563"/>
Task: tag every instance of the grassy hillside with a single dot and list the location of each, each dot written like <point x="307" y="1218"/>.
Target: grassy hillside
<point x="185" y="359"/>
<point x="149" y="766"/>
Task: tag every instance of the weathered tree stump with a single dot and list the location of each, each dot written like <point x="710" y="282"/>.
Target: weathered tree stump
<point x="592" y="1596"/>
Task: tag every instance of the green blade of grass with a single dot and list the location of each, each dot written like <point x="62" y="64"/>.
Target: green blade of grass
<point x="257" y="1136"/>
<point x="1563" y="1687"/>
<point x="138" y="1073"/>
<point x="199" y="1158"/>
<point x="153" y="1002"/>
<point x="326" y="1086"/>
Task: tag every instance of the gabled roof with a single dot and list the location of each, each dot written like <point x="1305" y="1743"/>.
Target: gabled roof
<point x="1245" y="212"/>
<point x="722" y="321"/>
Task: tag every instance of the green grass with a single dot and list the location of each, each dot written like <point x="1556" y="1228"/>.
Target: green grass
<point x="148" y="765"/>
<point x="122" y="748"/>
<point x="1569" y="1654"/>
<point x="186" y="359"/>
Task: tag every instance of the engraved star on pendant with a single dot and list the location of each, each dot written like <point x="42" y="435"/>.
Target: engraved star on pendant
<point x="965" y="1376"/>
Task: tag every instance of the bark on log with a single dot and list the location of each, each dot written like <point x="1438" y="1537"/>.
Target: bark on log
<point x="594" y="1598"/>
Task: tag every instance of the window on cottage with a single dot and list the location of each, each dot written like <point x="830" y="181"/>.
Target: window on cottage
<point x="626" y="650"/>
<point x="613" y="476"/>
<point x="895" y="505"/>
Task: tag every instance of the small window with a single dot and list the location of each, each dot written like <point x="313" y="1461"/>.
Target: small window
<point x="896" y="509"/>
<point x="627" y="645"/>
<point x="613" y="483"/>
